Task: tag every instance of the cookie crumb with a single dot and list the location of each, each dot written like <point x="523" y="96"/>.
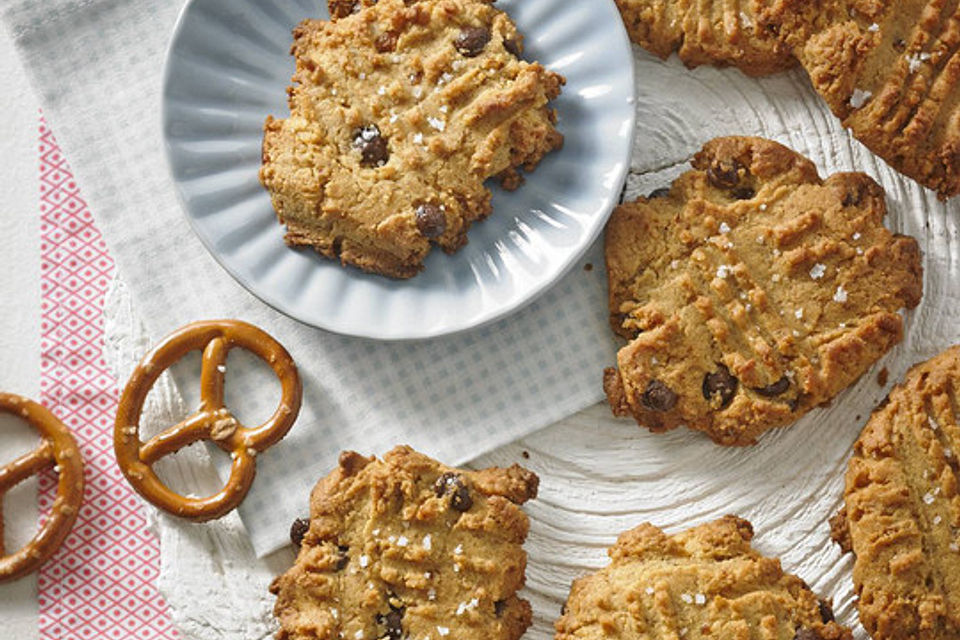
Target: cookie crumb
<point x="882" y="377"/>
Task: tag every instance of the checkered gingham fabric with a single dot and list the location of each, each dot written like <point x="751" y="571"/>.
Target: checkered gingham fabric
<point x="102" y="582"/>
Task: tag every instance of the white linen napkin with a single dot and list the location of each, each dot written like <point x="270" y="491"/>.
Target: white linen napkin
<point x="97" y="66"/>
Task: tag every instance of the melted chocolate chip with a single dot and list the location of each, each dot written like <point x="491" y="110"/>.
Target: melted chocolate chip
<point x="720" y="383"/>
<point x="775" y="389"/>
<point x="900" y="45"/>
<point x="472" y="40"/>
<point x="452" y="484"/>
<point x="743" y="193"/>
<point x="344" y="558"/>
<point x="662" y="192"/>
<point x="392" y="623"/>
<point x="299" y="529"/>
<point x="430" y="220"/>
<point x="826" y="612"/>
<point x="853" y="196"/>
<point x="659" y="396"/>
<point x="805" y="633"/>
<point x="724" y="174"/>
<point x="498" y="607"/>
<point x="512" y="46"/>
<point x="372" y="146"/>
<point x="343" y="8"/>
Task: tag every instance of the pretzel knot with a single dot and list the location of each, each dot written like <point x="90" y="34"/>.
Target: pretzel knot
<point x="212" y="421"/>
<point x="58" y="450"/>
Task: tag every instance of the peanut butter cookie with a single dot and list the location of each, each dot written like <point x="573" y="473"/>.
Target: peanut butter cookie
<point x="409" y="548"/>
<point x="751" y="291"/>
<point x="398" y="115"/>
<point x="902" y="508"/>
<point x="715" y="32"/>
<point x="706" y="582"/>
<point x="889" y="69"/>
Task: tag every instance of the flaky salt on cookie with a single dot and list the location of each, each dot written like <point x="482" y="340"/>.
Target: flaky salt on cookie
<point x="751" y="291"/>
<point x="405" y="547"/>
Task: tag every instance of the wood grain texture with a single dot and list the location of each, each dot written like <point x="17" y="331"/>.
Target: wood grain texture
<point x="601" y="475"/>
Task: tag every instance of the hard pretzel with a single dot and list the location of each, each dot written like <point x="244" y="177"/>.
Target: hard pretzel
<point x="58" y="450"/>
<point x="212" y="421"/>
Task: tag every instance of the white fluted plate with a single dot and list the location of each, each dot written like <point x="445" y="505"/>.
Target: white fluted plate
<point x="228" y="68"/>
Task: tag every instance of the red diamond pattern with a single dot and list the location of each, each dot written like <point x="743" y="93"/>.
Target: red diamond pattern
<point x="102" y="582"/>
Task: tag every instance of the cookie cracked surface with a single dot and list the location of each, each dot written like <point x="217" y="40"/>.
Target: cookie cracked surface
<point x="399" y="113"/>
<point x="752" y="291"/>
<point x="706" y="582"/>
<point x="902" y="509"/>
<point x="716" y="32"/>
<point x="889" y="70"/>
<point x="405" y="547"/>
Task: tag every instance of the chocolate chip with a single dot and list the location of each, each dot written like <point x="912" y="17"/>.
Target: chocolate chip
<point x="472" y="40"/>
<point x="826" y="612"/>
<point x="512" y="46"/>
<point x="372" y="146"/>
<point x="805" y="633"/>
<point x="299" y="529"/>
<point x="344" y="558"/>
<point x="853" y="196"/>
<point x="743" y="193"/>
<point x="900" y="45"/>
<point x="720" y="383"/>
<point x="659" y="396"/>
<point x="452" y="484"/>
<point x="662" y="192"/>
<point x="392" y="622"/>
<point x="430" y="220"/>
<point x="775" y="389"/>
<point x="461" y="500"/>
<point x="498" y="607"/>
<point x="724" y="174"/>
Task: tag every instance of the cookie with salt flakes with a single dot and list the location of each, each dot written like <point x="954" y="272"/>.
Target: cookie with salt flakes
<point x="751" y="291"/>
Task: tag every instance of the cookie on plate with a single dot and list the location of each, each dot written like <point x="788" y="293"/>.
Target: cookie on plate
<point x="716" y="33"/>
<point x="891" y="71"/>
<point x="706" y="582"/>
<point x="406" y="547"/>
<point x="398" y="115"/>
<point x="751" y="291"/>
<point x="902" y="509"/>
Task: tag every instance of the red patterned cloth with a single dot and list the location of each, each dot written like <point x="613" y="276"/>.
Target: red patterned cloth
<point x="102" y="582"/>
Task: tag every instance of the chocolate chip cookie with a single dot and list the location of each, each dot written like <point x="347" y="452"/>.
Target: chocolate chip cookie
<point x="890" y="71"/>
<point x="406" y="547"/>
<point x="706" y="582"/>
<point x="902" y="508"/>
<point x="715" y="32"/>
<point x="399" y="113"/>
<point x="751" y="291"/>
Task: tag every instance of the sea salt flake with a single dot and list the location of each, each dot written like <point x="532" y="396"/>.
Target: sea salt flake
<point x="840" y="295"/>
<point x="427" y="542"/>
<point x="859" y="98"/>
<point x="818" y="271"/>
<point x="700" y="599"/>
<point x="437" y="123"/>
<point x="649" y="591"/>
<point x="364" y="561"/>
<point x="458" y="550"/>
<point x="402" y="541"/>
<point x="873" y="28"/>
<point x="723" y="271"/>
<point x="417" y="92"/>
<point x="933" y="423"/>
<point x="855" y="236"/>
<point x="443" y="631"/>
<point x="763" y="206"/>
<point x="775" y="277"/>
<point x="799" y="314"/>
<point x="418" y="138"/>
<point x="358" y="634"/>
<point x="686" y="597"/>
<point x="724" y="227"/>
<point x="937" y="520"/>
<point x="928" y="498"/>
<point x="674" y="264"/>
